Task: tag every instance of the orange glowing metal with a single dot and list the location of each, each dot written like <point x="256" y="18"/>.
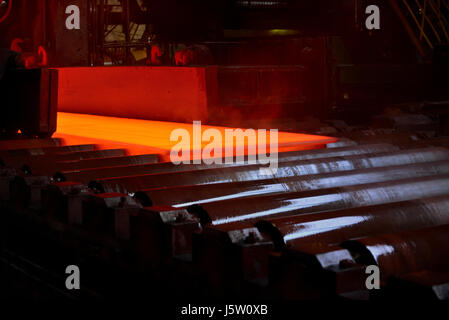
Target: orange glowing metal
<point x="144" y="136"/>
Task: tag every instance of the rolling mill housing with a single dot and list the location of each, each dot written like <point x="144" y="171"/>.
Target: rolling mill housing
<point x="92" y="90"/>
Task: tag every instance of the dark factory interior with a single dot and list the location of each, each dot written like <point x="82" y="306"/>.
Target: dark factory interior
<point x="224" y="150"/>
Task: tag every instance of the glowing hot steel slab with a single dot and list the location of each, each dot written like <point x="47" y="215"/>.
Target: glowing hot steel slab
<point x="144" y="136"/>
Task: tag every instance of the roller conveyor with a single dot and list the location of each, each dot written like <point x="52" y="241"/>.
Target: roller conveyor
<point x="300" y="185"/>
<point x="298" y="230"/>
<point x="247" y="227"/>
<point x="311" y="230"/>
<point x="225" y="154"/>
<point x="46" y="150"/>
<point x="396" y="254"/>
<point x="168" y="167"/>
<point x="229" y="211"/>
<point x="62" y="167"/>
<point x="185" y="196"/>
<point x="252" y="172"/>
<point x="191" y="196"/>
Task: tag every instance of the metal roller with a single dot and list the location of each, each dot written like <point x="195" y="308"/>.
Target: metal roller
<point x="62" y="167"/>
<point x="284" y="157"/>
<point x="337" y="226"/>
<point x="46" y="150"/>
<point x="26" y="186"/>
<point x="318" y="230"/>
<point x="252" y="172"/>
<point x="257" y="208"/>
<point x="28" y="143"/>
<point x="197" y="194"/>
<point x="20" y="161"/>
<point x="404" y="252"/>
<point x="369" y="136"/>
